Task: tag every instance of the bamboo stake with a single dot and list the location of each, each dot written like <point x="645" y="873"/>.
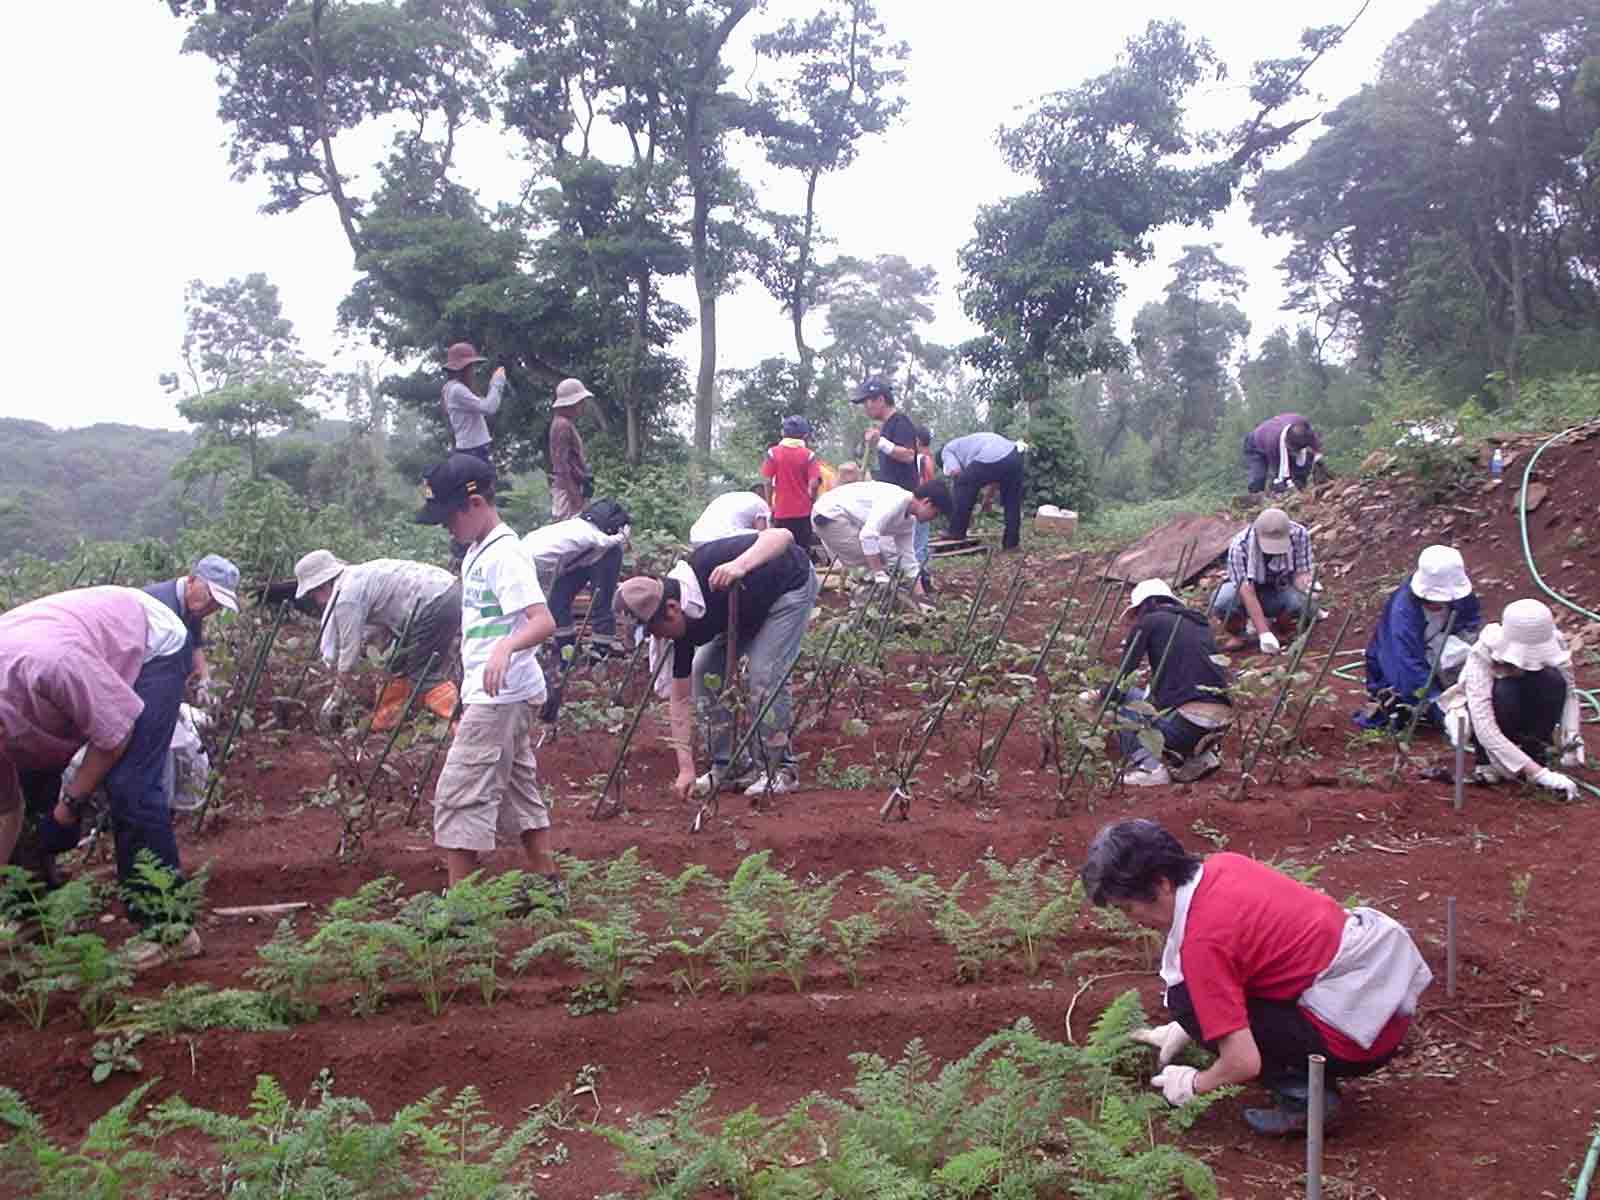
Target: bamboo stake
<point x="427" y="767"/>
<point x="350" y="836"/>
<point x="238" y="714"/>
<point x="627" y="739"/>
<point x="1083" y="748"/>
<point x="1248" y="761"/>
<point x="1311" y="698"/>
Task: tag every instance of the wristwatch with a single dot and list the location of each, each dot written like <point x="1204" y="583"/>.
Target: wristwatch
<point x="75" y="804"/>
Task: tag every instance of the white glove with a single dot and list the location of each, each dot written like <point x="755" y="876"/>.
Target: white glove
<point x="1023" y="446"/>
<point x="1573" y="756"/>
<point x="881" y="579"/>
<point x="1089" y="696"/>
<point x="1169" y="1039"/>
<point x="1556" y="782"/>
<point x="329" y="716"/>
<point x="1176" y="1084"/>
<point x="1270" y="643"/>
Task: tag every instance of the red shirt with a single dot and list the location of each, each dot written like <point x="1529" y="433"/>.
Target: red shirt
<point x="793" y="468"/>
<point x="1255" y="934"/>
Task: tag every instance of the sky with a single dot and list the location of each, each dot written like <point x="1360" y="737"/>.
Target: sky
<point x="128" y="193"/>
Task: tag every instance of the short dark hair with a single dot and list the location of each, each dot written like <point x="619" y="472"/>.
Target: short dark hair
<point x="1126" y="858"/>
<point x="939" y="492"/>
<point x="1300" y="434"/>
<point x="924" y="436"/>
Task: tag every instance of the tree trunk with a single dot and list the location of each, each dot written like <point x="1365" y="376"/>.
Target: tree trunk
<point x="797" y="302"/>
<point x="631" y="401"/>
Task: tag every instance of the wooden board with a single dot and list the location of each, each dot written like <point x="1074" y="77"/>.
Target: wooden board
<point x="1156" y="555"/>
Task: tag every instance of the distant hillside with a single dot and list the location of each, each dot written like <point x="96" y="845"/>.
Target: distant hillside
<point x="102" y="482"/>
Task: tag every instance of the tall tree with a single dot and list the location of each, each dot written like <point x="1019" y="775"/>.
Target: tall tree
<point x="839" y="86"/>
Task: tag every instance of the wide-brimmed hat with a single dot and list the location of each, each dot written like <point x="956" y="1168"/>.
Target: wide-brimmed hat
<point x="1143" y="591"/>
<point x="452" y="481"/>
<point x="570" y="392"/>
<point x="314" y="570"/>
<point x="1272" y="531"/>
<point x="640" y="598"/>
<point x="1525" y="637"/>
<point x="462" y="354"/>
<point x="1441" y="576"/>
<point x="221" y="578"/>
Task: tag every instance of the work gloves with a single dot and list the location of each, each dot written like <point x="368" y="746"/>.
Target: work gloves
<point x="881" y="579"/>
<point x="1573" y="756"/>
<point x="1270" y="643"/>
<point x="1168" y="1039"/>
<point x="1176" y="1084"/>
<point x="1556" y="782"/>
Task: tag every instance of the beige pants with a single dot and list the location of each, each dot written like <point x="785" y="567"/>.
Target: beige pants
<point x="489" y="783"/>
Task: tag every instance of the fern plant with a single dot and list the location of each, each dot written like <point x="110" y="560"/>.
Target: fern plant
<point x="59" y="957"/>
<point x="107" y="1163"/>
<point x="853" y="939"/>
<point x="166" y="904"/>
<point x="906" y="899"/>
<point x="1031" y="906"/>
<point x="685" y="1154"/>
<point x="607" y="951"/>
<point x="466" y="1155"/>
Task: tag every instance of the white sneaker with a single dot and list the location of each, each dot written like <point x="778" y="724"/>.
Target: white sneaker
<point x="779" y="783"/>
<point x="1489" y="773"/>
<point x="702" y="784"/>
<point x="1157" y="776"/>
<point x="1197" y="767"/>
<point x="142" y="954"/>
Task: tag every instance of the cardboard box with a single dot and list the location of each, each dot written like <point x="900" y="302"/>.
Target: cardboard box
<point x="1063" y="525"/>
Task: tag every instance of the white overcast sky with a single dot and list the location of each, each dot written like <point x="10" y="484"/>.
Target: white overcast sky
<point x="120" y="192"/>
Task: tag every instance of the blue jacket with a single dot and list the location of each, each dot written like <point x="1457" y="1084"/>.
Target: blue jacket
<point x="1397" y="655"/>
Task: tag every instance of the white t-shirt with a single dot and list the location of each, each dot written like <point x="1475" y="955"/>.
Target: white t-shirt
<point x="498" y="585"/>
<point x="563" y="546"/>
<point x="729" y="515"/>
<point x="164" y="630"/>
<point x="865" y="518"/>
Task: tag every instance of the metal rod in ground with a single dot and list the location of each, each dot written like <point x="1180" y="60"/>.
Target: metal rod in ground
<point x="1420" y="701"/>
<point x="238" y="713"/>
<point x="405" y="632"/>
<point x="978" y="592"/>
<point x="739" y="750"/>
<point x="889" y="603"/>
<point x="1450" y="947"/>
<point x="1461" y="764"/>
<point x="348" y="836"/>
<point x="1316" y="1115"/>
<point x="1100" y="713"/>
<point x="1311" y="698"/>
<point x="901" y="795"/>
<point x="1111" y="617"/>
<point x="627" y="676"/>
<point x="1247" y="761"/>
<point x="816" y="675"/>
<point x="116" y="569"/>
<point x="627" y="736"/>
<point x="427" y="767"/>
<point x="852" y="647"/>
<point x="1085" y="638"/>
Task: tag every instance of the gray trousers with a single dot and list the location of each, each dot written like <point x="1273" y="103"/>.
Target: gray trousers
<point x="769" y="655"/>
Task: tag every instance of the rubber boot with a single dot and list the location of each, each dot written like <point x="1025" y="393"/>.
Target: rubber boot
<point x="1288" y="1117"/>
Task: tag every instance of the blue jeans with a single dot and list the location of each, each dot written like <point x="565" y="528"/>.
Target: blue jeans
<point x="775" y="646"/>
<point x="1276" y="602"/>
<point x="920" y="543"/>
<point x="1179" y="735"/>
<point x="601" y="577"/>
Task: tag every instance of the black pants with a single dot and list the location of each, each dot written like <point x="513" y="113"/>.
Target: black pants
<point x="601" y="577"/>
<point x="1008" y="474"/>
<point x="1527" y="708"/>
<point x="1283" y="1036"/>
<point x="1257" y="468"/>
<point x="800" y="527"/>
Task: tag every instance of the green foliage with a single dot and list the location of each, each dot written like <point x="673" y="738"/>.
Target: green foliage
<point x="105" y="1165"/>
<point x="853" y="939"/>
<point x="1057" y="473"/>
<point x="607" y="950"/>
<point x="195" y="1007"/>
<point x="115" y="1054"/>
<point x="906" y="898"/>
<point x="1031" y="906"/>
<point x="59" y="957"/>
<point x="167" y="903"/>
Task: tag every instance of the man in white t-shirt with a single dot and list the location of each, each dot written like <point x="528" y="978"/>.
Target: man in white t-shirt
<point x="729" y="515"/>
<point x="874" y="525"/>
<point x="489" y="782"/>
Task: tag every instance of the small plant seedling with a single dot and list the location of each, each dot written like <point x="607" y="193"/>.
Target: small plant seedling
<point x="1218" y="839"/>
<point x="853" y="939"/>
<point x="1521" y="885"/>
<point x="115" y="1054"/>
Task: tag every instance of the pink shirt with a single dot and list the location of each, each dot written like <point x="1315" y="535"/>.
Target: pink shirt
<point x="67" y="665"/>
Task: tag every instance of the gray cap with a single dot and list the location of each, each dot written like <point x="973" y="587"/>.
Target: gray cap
<point x="221" y="577"/>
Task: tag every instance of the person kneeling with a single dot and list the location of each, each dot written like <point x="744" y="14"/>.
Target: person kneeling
<point x="1261" y="969"/>
<point x="1516" y="702"/>
<point x="1191" y="702"/>
<point x="1410" y="639"/>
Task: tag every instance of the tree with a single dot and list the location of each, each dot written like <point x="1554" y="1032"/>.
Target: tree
<point x="840" y="89"/>
<point x="1111" y="161"/>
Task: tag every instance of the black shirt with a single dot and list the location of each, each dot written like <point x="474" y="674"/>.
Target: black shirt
<point x="1189" y="674"/>
<point x="899" y="430"/>
<point x="758" y="592"/>
<point x="167" y="593"/>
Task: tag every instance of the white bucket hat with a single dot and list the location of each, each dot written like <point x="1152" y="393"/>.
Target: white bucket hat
<point x="314" y="570"/>
<point x="570" y="392"/>
<point x="1525" y="637"/>
<point x="1441" y="576"/>
<point x="1143" y="592"/>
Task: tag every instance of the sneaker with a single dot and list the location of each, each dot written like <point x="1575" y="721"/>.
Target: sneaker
<point x="1489" y="773"/>
<point x="1156" y="776"/>
<point x="779" y="783"/>
<point x="1196" y="767"/>
<point x="142" y="954"/>
<point x="730" y="780"/>
<point x="1288" y="1117"/>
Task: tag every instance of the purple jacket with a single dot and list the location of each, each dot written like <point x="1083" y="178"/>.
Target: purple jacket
<point x="1266" y="435"/>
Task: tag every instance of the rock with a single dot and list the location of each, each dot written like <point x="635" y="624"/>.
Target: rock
<point x="1537" y="494"/>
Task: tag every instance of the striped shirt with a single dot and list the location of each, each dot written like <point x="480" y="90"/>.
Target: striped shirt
<point x="498" y="586"/>
<point x="1276" y="570"/>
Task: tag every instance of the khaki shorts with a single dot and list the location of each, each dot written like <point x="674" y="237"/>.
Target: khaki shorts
<point x="490" y="780"/>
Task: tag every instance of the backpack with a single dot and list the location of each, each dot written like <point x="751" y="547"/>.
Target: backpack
<point x="607" y="516"/>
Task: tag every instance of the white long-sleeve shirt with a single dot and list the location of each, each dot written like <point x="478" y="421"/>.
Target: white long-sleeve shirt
<point x="467" y="410"/>
<point x="729" y="515"/>
<point x="564" y="545"/>
<point x="376" y="596"/>
<point x="1473" y="694"/>
<point x="878" y="515"/>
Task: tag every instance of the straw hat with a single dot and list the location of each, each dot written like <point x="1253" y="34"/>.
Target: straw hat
<point x="1525" y="637"/>
<point x="314" y="570"/>
<point x="1441" y="576"/>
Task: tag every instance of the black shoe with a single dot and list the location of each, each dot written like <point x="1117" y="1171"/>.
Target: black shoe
<point x="1288" y="1117"/>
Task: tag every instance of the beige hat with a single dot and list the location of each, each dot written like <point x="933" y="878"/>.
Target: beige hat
<point x="1525" y="637"/>
<point x="639" y="598"/>
<point x="1441" y="576"/>
<point x="1272" y="531"/>
<point x="1143" y="592"/>
<point x="314" y="570"/>
<point x="570" y="392"/>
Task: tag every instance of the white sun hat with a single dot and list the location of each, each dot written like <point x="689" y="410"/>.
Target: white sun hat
<point x="1525" y="637"/>
<point x="1147" y="589"/>
<point x="570" y="392"/>
<point x="1441" y="576"/>
<point x="314" y="570"/>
